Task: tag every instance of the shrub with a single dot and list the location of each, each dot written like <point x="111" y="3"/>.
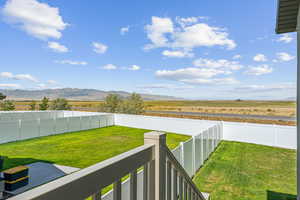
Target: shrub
<point x="45" y="104"/>
<point x="7" y="105"/>
<point x="60" y="104"/>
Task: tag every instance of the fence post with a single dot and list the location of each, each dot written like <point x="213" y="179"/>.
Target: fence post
<point x="194" y="155"/>
<point x="158" y="185"/>
<point x="20" y="129"/>
<point x="39" y="126"/>
<point x="182" y="153"/>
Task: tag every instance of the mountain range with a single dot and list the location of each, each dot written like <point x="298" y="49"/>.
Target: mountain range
<point x="74" y="94"/>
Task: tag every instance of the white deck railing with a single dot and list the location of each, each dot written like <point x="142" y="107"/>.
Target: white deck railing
<point x="165" y="178"/>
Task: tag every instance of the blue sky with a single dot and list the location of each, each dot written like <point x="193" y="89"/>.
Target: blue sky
<point x="194" y="49"/>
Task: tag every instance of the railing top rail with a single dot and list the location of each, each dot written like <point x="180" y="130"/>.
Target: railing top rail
<point x="182" y="171"/>
<point x="86" y="182"/>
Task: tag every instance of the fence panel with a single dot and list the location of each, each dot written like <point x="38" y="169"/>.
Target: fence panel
<point x="29" y="129"/>
<point x="9" y="131"/>
<point x="61" y="125"/>
<point x="188" y="157"/>
<point x="47" y="127"/>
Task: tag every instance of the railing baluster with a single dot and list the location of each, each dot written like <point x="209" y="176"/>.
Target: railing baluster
<point x="175" y="184"/>
<point x="117" y="190"/>
<point x="133" y="185"/>
<point x="185" y="191"/>
<point x="169" y="179"/>
<point x="190" y="194"/>
<point x="97" y="196"/>
<point x="180" y="188"/>
<point x="145" y="182"/>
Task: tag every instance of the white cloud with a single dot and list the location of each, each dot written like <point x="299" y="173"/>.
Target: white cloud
<point x="9" y="85"/>
<point x="222" y="63"/>
<point x="286" y="38"/>
<point x="167" y="86"/>
<point x="259" y="70"/>
<point x="236" y="57"/>
<point x="37" y="19"/>
<point x="177" y="54"/>
<point x="202" y="34"/>
<point x="110" y="67"/>
<point x="260" y="58"/>
<point x="157" y="30"/>
<point x="284" y="57"/>
<point x="134" y="68"/>
<point x="57" y="47"/>
<point x="186" y="33"/>
<point x="266" y="88"/>
<point x="9" y="75"/>
<point x="71" y="62"/>
<point x="124" y="30"/>
<point x="213" y="81"/>
<point x="99" y="47"/>
<point x="188" y="73"/>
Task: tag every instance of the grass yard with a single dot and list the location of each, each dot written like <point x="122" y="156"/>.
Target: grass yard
<point x="249" y="172"/>
<point x="79" y="149"/>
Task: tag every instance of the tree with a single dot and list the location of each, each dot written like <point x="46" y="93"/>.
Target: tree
<point x="7" y="105"/>
<point x="2" y="97"/>
<point x="45" y="104"/>
<point x="32" y="105"/>
<point x="134" y="104"/>
<point x="111" y="104"/>
<point x="60" y="104"/>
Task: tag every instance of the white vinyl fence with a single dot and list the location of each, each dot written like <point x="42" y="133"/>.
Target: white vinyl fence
<point x="191" y="155"/>
<point x="264" y="134"/>
<point x="15" y="130"/>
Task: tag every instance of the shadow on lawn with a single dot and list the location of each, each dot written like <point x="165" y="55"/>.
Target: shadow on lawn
<point x="280" y="196"/>
<point x="14" y="162"/>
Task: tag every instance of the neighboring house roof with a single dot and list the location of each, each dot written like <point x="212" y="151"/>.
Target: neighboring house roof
<point x="287" y="15"/>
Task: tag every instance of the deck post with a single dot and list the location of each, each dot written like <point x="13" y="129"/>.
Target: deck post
<point x="159" y="182"/>
<point x="298" y="106"/>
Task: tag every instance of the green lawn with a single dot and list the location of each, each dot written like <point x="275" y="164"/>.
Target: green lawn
<point x="249" y="172"/>
<point x="79" y="149"/>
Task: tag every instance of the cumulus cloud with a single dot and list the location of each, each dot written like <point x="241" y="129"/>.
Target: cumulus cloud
<point x="177" y="54"/>
<point x="71" y="62"/>
<point x="57" y="47"/>
<point x="213" y="81"/>
<point x="284" y="57"/>
<point x="157" y="31"/>
<point x="259" y="70"/>
<point x="189" y="34"/>
<point x="222" y="63"/>
<point x="99" y="47"/>
<point x="109" y="67"/>
<point x="260" y="58"/>
<point x="124" y="30"/>
<point x="35" y="18"/>
<point x="285" y="38"/>
<point x="26" y="77"/>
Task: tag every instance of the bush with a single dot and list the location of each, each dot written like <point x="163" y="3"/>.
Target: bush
<point x="111" y="104"/>
<point x="2" y="97"/>
<point x="7" y="105"/>
<point x="134" y="104"/>
<point x="60" y="104"/>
